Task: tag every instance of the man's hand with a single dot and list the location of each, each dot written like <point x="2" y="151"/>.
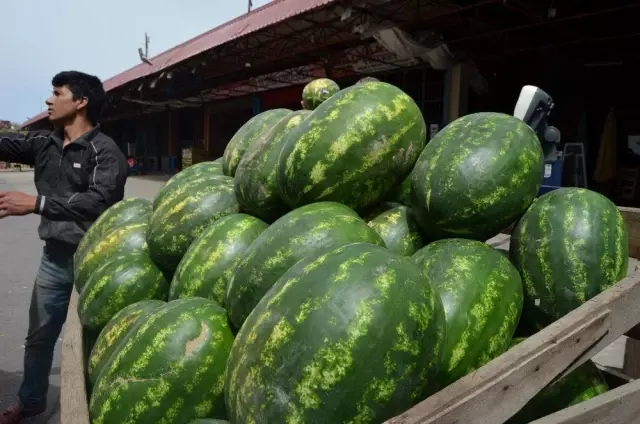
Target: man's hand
<point x="15" y="203"/>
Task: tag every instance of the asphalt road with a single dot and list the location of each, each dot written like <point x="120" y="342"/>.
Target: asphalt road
<point x="20" y="250"/>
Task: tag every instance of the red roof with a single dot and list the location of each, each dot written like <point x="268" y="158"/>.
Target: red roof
<point x="271" y="13"/>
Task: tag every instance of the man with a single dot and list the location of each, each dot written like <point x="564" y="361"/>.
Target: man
<point x="79" y="173"/>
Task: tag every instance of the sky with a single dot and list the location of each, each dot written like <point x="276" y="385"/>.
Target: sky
<point x="39" y="38"/>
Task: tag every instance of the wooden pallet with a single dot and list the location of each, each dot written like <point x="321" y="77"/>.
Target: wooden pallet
<point x="495" y="392"/>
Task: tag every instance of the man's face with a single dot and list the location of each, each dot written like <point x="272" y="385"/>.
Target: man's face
<point x="61" y="106"/>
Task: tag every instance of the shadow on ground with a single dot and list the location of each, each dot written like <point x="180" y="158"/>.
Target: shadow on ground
<point x="10" y="383"/>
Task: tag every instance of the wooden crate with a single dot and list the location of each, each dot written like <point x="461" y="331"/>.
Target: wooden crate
<point x="495" y="392"/>
<point x="74" y="408"/>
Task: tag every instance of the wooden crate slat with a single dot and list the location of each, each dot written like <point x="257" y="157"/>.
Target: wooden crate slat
<point x="73" y="395"/>
<point x="617" y="406"/>
<point x="631" y="364"/>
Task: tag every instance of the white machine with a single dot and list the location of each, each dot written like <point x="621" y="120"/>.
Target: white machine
<point x="534" y="107"/>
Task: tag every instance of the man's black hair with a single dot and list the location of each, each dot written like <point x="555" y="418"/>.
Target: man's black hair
<point x="83" y="85"/>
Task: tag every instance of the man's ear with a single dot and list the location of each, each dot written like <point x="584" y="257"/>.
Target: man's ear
<point x="82" y="103"/>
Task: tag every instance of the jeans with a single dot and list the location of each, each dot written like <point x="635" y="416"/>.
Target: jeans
<point x="47" y="314"/>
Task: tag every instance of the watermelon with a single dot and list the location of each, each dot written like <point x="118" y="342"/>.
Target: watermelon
<point x="198" y="170"/>
<point x="304" y="231"/>
<point x="569" y="246"/>
<point x="583" y="383"/>
<point x="125" y="239"/>
<point x="123" y="280"/>
<point x="354" y="335"/>
<point x="317" y="92"/>
<point x="353" y="149"/>
<point x="246" y="135"/>
<point x="207" y="266"/>
<point x="482" y="296"/>
<point x="367" y="79"/>
<point x="398" y="229"/>
<point x="476" y="176"/>
<point x="184" y="213"/>
<point x="255" y="181"/>
<point x="171" y="369"/>
<point x="131" y="210"/>
<point x="115" y="331"/>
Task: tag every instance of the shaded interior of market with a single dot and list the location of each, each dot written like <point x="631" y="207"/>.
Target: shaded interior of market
<point x="468" y="56"/>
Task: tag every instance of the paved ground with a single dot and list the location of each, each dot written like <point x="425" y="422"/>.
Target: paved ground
<point x="20" y="250"/>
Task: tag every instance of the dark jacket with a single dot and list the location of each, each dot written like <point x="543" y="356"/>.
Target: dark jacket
<point x="75" y="184"/>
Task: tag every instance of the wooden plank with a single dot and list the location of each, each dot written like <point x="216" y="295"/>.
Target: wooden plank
<point x="631" y="365"/>
<point x="612" y="356"/>
<point x="497" y="391"/>
<point x="73" y="395"/>
<point x="618" y="406"/>
<point x="632" y="219"/>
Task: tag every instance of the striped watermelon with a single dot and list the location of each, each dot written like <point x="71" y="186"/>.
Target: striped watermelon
<point x="317" y="92"/>
<point x="125" y="239"/>
<point x="583" y="383"/>
<point x="305" y="231"/>
<point x="246" y="135"/>
<point x="569" y="246"/>
<point x="398" y="229"/>
<point x="124" y="212"/>
<point x="198" y="170"/>
<point x="123" y="280"/>
<point x="482" y="296"/>
<point x="255" y="180"/>
<point x="354" y="335"/>
<point x="353" y="149"/>
<point x="170" y="370"/>
<point x="478" y="175"/>
<point x="184" y="213"/>
<point x="367" y="79"/>
<point x="115" y="331"/>
<point x="206" y="268"/>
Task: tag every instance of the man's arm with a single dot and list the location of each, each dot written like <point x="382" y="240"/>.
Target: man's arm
<point x="19" y="148"/>
<point x="107" y="187"/>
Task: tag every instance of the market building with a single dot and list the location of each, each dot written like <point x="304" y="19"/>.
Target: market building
<point x="452" y="57"/>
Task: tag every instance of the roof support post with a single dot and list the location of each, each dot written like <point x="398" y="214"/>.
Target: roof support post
<point x="456" y="91"/>
<point x="206" y="127"/>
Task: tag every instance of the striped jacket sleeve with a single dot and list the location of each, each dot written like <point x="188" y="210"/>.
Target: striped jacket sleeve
<point x="19" y="148"/>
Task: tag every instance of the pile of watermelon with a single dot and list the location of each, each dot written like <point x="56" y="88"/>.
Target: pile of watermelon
<point x="332" y="267"/>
